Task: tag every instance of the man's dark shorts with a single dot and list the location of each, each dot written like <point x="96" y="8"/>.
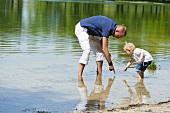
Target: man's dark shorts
<point x="141" y="67"/>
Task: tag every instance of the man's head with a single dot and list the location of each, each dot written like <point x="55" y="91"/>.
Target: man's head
<point x="120" y="31"/>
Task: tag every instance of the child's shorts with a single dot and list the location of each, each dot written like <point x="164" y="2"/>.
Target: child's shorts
<point x="141" y="67"/>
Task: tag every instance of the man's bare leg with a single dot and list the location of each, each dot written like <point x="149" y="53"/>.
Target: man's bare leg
<point x="80" y="71"/>
<point x="99" y="67"/>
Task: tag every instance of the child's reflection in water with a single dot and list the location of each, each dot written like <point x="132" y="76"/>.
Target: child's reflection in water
<point x="96" y="99"/>
<point x="141" y="95"/>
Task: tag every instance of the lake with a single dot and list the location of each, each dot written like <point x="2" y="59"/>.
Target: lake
<point x="39" y="56"/>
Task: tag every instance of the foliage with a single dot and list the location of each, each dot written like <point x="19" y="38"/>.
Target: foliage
<point x="152" y="66"/>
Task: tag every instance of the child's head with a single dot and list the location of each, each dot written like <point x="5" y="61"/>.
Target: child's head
<point x="120" y="31"/>
<point x="129" y="48"/>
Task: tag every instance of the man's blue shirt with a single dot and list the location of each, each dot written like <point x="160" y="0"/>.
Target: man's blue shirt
<point x="99" y="26"/>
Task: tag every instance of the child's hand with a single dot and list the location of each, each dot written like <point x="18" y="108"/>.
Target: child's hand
<point x="139" y="61"/>
<point x="125" y="69"/>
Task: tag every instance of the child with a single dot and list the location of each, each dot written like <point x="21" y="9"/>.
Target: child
<point x="142" y="57"/>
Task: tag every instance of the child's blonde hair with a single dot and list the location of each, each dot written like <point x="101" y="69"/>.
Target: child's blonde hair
<point x="129" y="46"/>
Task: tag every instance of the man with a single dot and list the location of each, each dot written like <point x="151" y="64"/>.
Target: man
<point x="88" y="32"/>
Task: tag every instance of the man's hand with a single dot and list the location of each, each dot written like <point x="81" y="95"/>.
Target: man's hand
<point x="111" y="68"/>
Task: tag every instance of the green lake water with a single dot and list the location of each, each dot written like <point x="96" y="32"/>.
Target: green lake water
<point x="39" y="55"/>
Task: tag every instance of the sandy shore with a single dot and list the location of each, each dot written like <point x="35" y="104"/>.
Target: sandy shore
<point x="162" y="107"/>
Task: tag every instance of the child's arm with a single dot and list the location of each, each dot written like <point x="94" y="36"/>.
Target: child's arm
<point x="128" y="64"/>
<point x="141" y="56"/>
<point x="128" y="87"/>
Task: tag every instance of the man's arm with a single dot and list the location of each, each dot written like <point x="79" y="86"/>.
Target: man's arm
<point x="107" y="54"/>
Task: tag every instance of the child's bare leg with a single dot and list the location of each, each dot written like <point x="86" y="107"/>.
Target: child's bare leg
<point x="80" y="71"/>
<point x="140" y="75"/>
<point x="99" y="67"/>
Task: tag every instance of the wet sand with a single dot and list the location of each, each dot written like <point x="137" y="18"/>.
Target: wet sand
<point x="162" y="107"/>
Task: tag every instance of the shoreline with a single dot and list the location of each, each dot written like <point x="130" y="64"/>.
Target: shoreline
<point x="161" y="107"/>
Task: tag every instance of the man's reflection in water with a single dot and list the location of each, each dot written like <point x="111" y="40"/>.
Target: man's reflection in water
<point x="96" y="99"/>
<point x="141" y="95"/>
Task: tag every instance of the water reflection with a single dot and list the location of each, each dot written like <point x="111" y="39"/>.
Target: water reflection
<point x="140" y="96"/>
<point x="96" y="99"/>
